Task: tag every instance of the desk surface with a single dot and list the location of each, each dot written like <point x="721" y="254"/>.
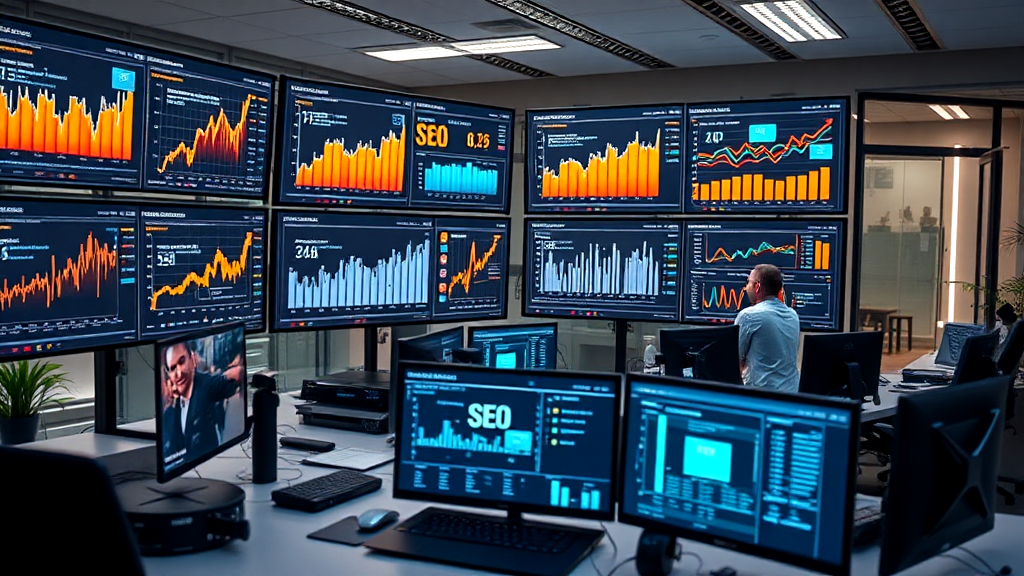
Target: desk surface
<point x="279" y="545"/>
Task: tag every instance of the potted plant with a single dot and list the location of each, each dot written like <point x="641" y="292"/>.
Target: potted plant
<point x="25" y="389"/>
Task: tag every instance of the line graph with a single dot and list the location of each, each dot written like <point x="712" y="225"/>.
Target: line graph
<point x="747" y="153"/>
<point x="763" y="248"/>
<point x="93" y="269"/>
<point x="217" y="143"/>
<point x="466" y="276"/>
<point x="220" y="268"/>
<point x="722" y="298"/>
<point x="102" y="130"/>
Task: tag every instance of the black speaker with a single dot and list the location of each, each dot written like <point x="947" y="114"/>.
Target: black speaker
<point x="264" y="427"/>
<point x="655" y="554"/>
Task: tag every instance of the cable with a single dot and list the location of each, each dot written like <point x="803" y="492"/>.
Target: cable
<point x="964" y="562"/>
<point x="621" y="564"/>
<point x="982" y="560"/>
<point x="615" y="550"/>
<point x="139" y="352"/>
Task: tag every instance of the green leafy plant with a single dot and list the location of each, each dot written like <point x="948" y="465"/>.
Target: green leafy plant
<point x="26" y="388"/>
<point x="1011" y="290"/>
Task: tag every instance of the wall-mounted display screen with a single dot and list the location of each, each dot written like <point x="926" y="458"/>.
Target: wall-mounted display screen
<point x="616" y="269"/>
<point x="768" y="157"/>
<point x="368" y="148"/>
<point x="624" y="159"/>
<point x="720" y="254"/>
<point x="82" y="110"/>
<point x="471" y="259"/>
<point x="68" y="276"/>
<point x="200" y="266"/>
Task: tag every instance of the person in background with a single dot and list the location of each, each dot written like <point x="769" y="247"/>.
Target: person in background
<point x="1005" y="319"/>
<point x="769" y="333"/>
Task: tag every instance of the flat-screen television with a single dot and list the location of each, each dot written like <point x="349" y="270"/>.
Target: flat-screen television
<point x="84" y="110"/>
<point x="67" y="276"/>
<point x="615" y="269"/>
<point x="767" y="156"/>
<point x="199" y="267"/>
<point x="720" y="254"/>
<point x="471" y="256"/>
<point x="351" y="146"/>
<point x="615" y="159"/>
<point x="334" y="269"/>
<point x="207" y="127"/>
<point x="200" y="397"/>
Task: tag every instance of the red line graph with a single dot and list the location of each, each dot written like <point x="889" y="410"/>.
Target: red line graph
<point x="93" y="259"/>
<point x="749" y="154"/>
<point x="219" y="141"/>
<point x="730" y="299"/>
<point x="764" y="248"/>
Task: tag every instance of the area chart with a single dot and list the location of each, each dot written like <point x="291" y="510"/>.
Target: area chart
<point x="360" y="167"/>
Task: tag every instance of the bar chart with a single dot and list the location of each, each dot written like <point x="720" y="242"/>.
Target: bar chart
<point x="603" y="269"/>
<point x="462" y="178"/>
<point x="513" y="442"/>
<point x="585" y="499"/>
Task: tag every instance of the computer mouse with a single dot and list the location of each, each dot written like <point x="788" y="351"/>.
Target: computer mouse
<point x="375" y="519"/>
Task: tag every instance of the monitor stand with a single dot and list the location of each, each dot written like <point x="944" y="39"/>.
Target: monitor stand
<point x="857" y="388"/>
<point x="956" y="440"/>
<point x="184" y="515"/>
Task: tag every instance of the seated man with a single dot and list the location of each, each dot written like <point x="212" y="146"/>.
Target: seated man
<point x="769" y="333"/>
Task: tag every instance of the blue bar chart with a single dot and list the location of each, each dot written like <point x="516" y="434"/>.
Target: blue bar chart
<point x="465" y="178"/>
<point x="516" y="442"/>
<point x="602" y="270"/>
<point x="561" y="496"/>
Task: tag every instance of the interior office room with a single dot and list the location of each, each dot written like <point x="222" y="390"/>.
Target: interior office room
<point x="899" y="235"/>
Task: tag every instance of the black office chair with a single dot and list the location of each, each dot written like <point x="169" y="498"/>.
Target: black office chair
<point x="1008" y="361"/>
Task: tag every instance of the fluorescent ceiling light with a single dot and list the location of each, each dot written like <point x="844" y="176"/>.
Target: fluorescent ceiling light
<point x="793" y="20"/>
<point x="502" y="45"/>
<point x="959" y="112"/>
<point x="417" y="53"/>
<point x="941" y="111"/>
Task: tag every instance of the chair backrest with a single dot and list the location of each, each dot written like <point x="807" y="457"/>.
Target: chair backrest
<point x="1013" y="349"/>
<point x="61" y="504"/>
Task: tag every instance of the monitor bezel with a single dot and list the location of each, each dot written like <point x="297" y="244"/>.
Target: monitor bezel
<point x="629" y="317"/>
<point x="262" y="196"/>
<point x="848" y="123"/>
<point x="472" y="330"/>
<point x="586" y="209"/>
<point x="841" y="270"/>
<point x="853" y="409"/>
<point x="614" y="380"/>
<point x="280" y="163"/>
<point x="162" y="475"/>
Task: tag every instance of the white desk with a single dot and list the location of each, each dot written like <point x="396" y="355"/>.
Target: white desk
<point x="278" y="545"/>
<point x="888" y="395"/>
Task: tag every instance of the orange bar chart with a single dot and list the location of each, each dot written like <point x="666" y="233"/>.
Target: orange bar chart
<point x="821" y="255"/>
<point x="104" y="132"/>
<point x="632" y="174"/>
<point x="364" y="168"/>
<point x="812" y="186"/>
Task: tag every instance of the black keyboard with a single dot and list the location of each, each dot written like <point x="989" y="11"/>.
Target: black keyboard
<point x="492" y="531"/>
<point x="326" y="491"/>
<point x="867" y="525"/>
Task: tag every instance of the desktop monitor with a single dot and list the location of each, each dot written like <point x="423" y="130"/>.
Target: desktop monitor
<point x="953" y="336"/>
<point x="531" y="346"/>
<point x="718" y="256"/>
<point x="945" y="461"/>
<point x="762" y="472"/>
<point x="977" y="359"/>
<point x="711" y="353"/>
<point x="200" y="397"/>
<point x="786" y="156"/>
<point x="612" y="269"/>
<point x="430" y="347"/>
<point x="846" y="364"/>
<point x="471" y="259"/>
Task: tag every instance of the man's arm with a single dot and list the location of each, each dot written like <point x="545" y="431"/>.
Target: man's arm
<point x="222" y="387"/>
<point x="747" y="326"/>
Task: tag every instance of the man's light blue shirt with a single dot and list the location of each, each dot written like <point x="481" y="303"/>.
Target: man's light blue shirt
<point x="769" y="338"/>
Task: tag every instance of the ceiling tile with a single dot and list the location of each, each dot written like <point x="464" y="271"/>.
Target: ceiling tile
<point x="147" y="13"/>
<point x="224" y="30"/>
<point x="973" y="19"/>
<point x="356" y="63"/>
<point x="573" y="7"/>
<point x="360" y="38"/>
<point x="289" y="47"/>
<point x="234" y="7"/>
<point x="987" y="38"/>
<point x="301" y="21"/>
<point x="416" y="78"/>
<point x="677" y="18"/>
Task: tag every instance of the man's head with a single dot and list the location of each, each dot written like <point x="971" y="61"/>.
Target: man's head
<point x="764" y="281"/>
<point x="180" y="362"/>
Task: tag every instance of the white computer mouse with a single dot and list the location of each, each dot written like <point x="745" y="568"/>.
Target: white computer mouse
<point x="375" y="519"/>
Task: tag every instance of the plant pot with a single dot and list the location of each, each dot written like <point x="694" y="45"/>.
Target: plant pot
<point x="19" y="430"/>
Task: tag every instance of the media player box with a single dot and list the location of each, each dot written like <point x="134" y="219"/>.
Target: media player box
<point x="333" y="416"/>
<point x="353" y="389"/>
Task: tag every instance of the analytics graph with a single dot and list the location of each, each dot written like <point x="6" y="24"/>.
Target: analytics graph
<point x="782" y="157"/>
<point x="720" y="256"/>
<point x="621" y="159"/>
<point x="513" y="442"/>
<point x="472" y="267"/>
<point x="358" y="165"/>
<point x="202" y="267"/>
<point x="207" y="133"/>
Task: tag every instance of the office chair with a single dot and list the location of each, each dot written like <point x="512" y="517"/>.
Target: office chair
<point x="1008" y="361"/>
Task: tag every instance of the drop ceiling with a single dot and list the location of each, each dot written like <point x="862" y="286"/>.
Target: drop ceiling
<point x="670" y="31"/>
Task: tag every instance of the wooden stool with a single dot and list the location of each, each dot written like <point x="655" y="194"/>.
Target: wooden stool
<point x="896" y="330"/>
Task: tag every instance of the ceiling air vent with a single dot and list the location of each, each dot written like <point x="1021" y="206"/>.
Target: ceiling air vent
<point x="507" y="26"/>
<point x="739" y="27"/>
<point x="906" y="17"/>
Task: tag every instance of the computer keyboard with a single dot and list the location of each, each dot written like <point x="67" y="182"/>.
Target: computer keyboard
<point x="325" y="491"/>
<point x="488" y="530"/>
<point x="867" y="525"/>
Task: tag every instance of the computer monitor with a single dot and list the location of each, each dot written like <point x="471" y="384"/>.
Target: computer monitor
<point x="430" y="347"/>
<point x="720" y="254"/>
<point x="200" y="397"/>
<point x="953" y="336"/>
<point x="531" y="346"/>
<point x="846" y="364"/>
<point x="711" y="353"/>
<point x="614" y="269"/>
<point x="762" y="472"/>
<point x="977" y="359"/>
<point x="945" y="462"/>
<point x="784" y="156"/>
<point x="471" y="258"/>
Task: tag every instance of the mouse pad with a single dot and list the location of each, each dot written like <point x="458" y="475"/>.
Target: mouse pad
<point x="344" y="531"/>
